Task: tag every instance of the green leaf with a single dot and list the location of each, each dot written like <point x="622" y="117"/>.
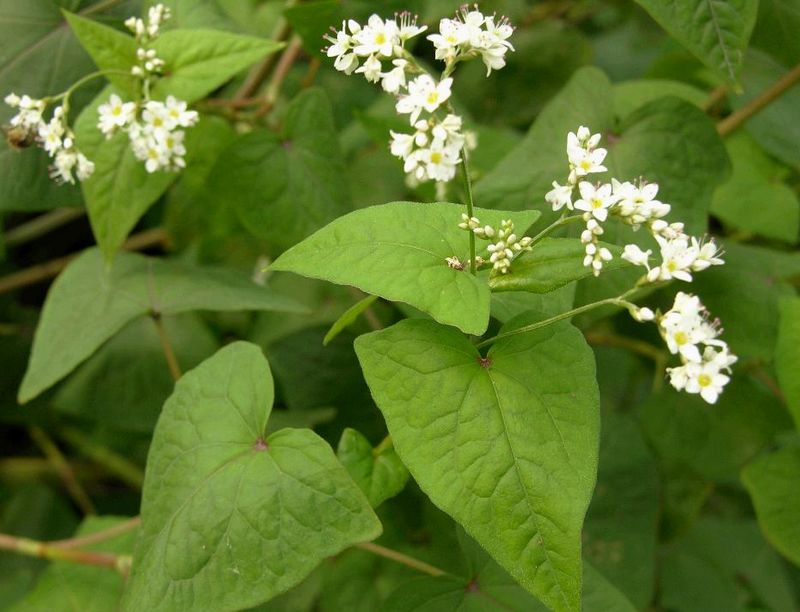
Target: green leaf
<point x="506" y="445"/>
<point x="713" y="441"/>
<point x="65" y="587"/>
<point x="787" y="354"/>
<point x="120" y="190"/>
<point x="630" y="95"/>
<point x="757" y="184"/>
<point x="723" y="564"/>
<point x="199" y="61"/>
<point x="553" y="263"/>
<point x="378" y="472"/>
<point x="715" y="31"/>
<point x="110" y="49"/>
<point x="757" y="277"/>
<point x="125" y="383"/>
<point x="348" y="317"/>
<point x="225" y="509"/>
<point x="673" y="143"/>
<point x="286" y="186"/>
<point x="520" y="180"/>
<point x="89" y="303"/>
<point x="668" y="141"/>
<point x="776" y="30"/>
<point x="398" y="251"/>
<point x="39" y="56"/>
<point x="772" y="481"/>
<point x="774" y="126"/>
<point x="620" y="533"/>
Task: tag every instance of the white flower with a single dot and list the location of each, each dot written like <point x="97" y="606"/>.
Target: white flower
<point x="451" y="34"/>
<point x="705" y="375"/>
<point x="393" y="80"/>
<point x="637" y="205"/>
<point x="685" y="326"/>
<point x="402" y="144"/>
<point x="29" y="114"/>
<point x="595" y="200"/>
<point x="424" y="93"/>
<point x="636" y="256"/>
<point x="342" y="47"/>
<point x="678" y="257"/>
<point x="85" y="167"/>
<point x="706" y="255"/>
<point x="65" y="161"/>
<point x="378" y="37"/>
<point x="115" y="114"/>
<point x="371" y="69"/>
<point x="408" y="28"/>
<point x="50" y="134"/>
<point x="440" y="161"/>
<point x="560" y="196"/>
<point x="584" y="157"/>
<point x="643" y="314"/>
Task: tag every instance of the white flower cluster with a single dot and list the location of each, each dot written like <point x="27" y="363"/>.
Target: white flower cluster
<point x="378" y="40"/>
<point x="152" y="126"/>
<point x="154" y="133"/>
<point x="473" y="34"/>
<point x="504" y="245"/>
<point x="635" y="205"/>
<point x="433" y="151"/>
<point x="54" y="136"/>
<point x="685" y="328"/>
<point x="148" y="64"/>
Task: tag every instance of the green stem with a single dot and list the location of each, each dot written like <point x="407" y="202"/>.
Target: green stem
<point x="104" y="5"/>
<point x="115" y="464"/>
<point x="617" y="301"/>
<point x="43" y="550"/>
<point x="399" y="557"/>
<point x="65" y="95"/>
<point x="63" y="468"/>
<point x="470" y="208"/>
<point x="563" y="220"/>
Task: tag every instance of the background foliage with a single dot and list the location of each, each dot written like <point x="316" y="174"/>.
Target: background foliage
<point x="696" y="507"/>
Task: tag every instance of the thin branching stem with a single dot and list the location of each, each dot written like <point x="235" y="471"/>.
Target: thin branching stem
<point x="399" y="557"/>
<point x="470" y="203"/>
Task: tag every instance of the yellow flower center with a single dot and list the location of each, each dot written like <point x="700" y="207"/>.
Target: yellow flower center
<point x="680" y="338"/>
<point x="597" y="203"/>
<point x="380" y="38"/>
<point x="436" y="157"/>
<point x="704" y="380"/>
<point x="433" y="97"/>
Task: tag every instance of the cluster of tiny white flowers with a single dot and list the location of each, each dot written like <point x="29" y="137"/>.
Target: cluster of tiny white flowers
<point x="473" y="34"/>
<point x="686" y="328"/>
<point x="379" y="40"/>
<point x="154" y="132"/>
<point x="377" y="50"/>
<point x="148" y="63"/>
<point x="152" y="126"/>
<point x="54" y="136"/>
<point x="504" y="245"/>
<point x="636" y="205"/>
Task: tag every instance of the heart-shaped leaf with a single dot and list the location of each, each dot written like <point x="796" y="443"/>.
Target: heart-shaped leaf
<point x="506" y="444"/>
<point x="399" y="251"/>
<point x="232" y="517"/>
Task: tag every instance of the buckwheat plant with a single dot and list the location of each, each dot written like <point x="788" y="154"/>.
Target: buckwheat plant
<point x="151" y="125"/>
